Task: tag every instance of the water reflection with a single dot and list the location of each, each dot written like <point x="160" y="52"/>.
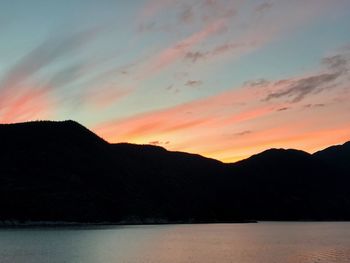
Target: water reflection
<point x="241" y="243"/>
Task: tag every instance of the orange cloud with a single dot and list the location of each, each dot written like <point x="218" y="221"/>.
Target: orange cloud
<point x="240" y="122"/>
<point x="209" y="114"/>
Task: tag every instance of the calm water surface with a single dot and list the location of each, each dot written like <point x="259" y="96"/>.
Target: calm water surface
<point x="240" y="243"/>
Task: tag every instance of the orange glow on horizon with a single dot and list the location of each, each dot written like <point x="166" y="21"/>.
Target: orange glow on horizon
<point x="221" y="127"/>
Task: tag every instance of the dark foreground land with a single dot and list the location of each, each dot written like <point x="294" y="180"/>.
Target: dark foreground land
<point x="60" y="171"/>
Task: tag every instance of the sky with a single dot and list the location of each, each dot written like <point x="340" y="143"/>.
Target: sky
<point x="222" y="78"/>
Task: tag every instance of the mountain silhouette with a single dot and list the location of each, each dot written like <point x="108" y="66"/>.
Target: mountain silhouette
<point x="61" y="171"/>
<point x="336" y="157"/>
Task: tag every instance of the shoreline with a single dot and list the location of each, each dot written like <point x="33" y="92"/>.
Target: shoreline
<point x="63" y="224"/>
<point x="68" y="224"/>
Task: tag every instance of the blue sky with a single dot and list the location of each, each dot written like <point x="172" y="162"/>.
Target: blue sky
<point x="163" y="71"/>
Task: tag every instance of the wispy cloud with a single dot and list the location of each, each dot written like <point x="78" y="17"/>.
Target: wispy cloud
<point x="297" y="89"/>
<point x="27" y="93"/>
<point x="152" y="8"/>
<point x="193" y="83"/>
<point x="195" y="56"/>
<point x="187" y="14"/>
<point x="124" y="82"/>
<point x="30" y="104"/>
<point x="283" y="109"/>
<point x="170" y="55"/>
<point x="43" y="55"/>
<point x="103" y="97"/>
<point x="258" y="26"/>
<point x="314" y="105"/>
<point x="244" y="108"/>
<point x="242" y="133"/>
<point x="159" y="143"/>
<point x="222" y="49"/>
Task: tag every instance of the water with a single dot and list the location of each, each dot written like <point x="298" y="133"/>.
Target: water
<point x="237" y="243"/>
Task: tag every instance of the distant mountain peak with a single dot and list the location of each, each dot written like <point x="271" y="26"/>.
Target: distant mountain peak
<point x="285" y="151"/>
<point x="277" y="153"/>
<point x="36" y="132"/>
<point x="343" y="146"/>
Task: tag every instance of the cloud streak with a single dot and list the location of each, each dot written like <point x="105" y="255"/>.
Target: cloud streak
<point x="31" y="103"/>
<point x="43" y="55"/>
<point x="126" y="84"/>
<point x="298" y="89"/>
<point x="170" y="55"/>
<point x="258" y="105"/>
<point x="193" y="83"/>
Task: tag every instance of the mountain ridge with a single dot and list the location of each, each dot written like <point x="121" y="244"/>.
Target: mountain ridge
<point x="76" y="124"/>
<point x="61" y="171"/>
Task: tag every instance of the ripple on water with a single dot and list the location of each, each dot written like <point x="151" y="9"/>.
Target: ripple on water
<point x="326" y="255"/>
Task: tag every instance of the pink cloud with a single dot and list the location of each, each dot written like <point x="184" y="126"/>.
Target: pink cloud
<point x="103" y="97"/>
<point x="153" y="7"/>
<point x="210" y="125"/>
<point x="170" y="55"/>
<point x="219" y="110"/>
<point x="27" y="103"/>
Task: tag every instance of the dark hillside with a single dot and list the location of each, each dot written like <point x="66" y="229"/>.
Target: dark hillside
<point x="61" y="171"/>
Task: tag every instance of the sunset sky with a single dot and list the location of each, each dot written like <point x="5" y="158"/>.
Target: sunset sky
<point x="222" y="78"/>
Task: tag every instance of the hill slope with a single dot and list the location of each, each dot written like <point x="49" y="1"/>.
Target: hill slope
<point x="61" y="171"/>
